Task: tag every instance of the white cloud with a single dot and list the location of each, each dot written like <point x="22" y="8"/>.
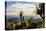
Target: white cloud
<point x="28" y="9"/>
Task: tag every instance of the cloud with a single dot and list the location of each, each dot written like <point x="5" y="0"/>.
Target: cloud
<point x="28" y="9"/>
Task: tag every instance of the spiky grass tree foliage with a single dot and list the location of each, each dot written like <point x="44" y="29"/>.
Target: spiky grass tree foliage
<point x="41" y="24"/>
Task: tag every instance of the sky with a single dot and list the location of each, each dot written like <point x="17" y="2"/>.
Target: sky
<point x="9" y="3"/>
<point x="28" y="0"/>
<point x="14" y="8"/>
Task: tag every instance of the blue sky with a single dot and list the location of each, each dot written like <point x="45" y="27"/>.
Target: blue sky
<point x="9" y="3"/>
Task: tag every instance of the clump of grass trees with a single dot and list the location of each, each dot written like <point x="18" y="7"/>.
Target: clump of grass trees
<point x="24" y="25"/>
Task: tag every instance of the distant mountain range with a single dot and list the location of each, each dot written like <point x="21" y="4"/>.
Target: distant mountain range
<point x="17" y="18"/>
<point x="12" y="16"/>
